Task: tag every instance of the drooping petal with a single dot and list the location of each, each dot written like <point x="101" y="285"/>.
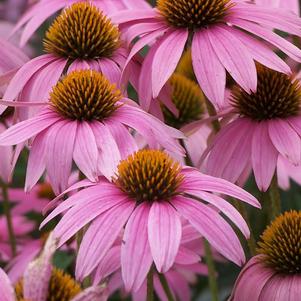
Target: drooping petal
<point x="37" y="275"/>
<point x="36" y="161"/>
<point x="166" y="58"/>
<point x="29" y="128"/>
<point x="235" y="57"/>
<point x="93" y="293"/>
<point x="285" y="140"/>
<point x="6" y="288"/>
<point x="212" y="226"/>
<point x="208" y="69"/>
<point x="60" y="146"/>
<point x="164" y="234"/>
<point x="136" y="258"/>
<point x="264" y="156"/>
<point x="85" y="152"/>
<point x="100" y="237"/>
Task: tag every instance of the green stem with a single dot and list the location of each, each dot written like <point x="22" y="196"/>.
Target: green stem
<point x="150" y="285"/>
<point x="244" y="213"/>
<point x="166" y="288"/>
<point x="211" y="271"/>
<point x="274" y="195"/>
<point x="7" y="213"/>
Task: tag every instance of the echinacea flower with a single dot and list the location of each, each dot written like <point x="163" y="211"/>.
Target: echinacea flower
<point x="181" y="275"/>
<point x="42" y="282"/>
<point x="265" y="125"/>
<point x="224" y="35"/>
<point x="43" y="9"/>
<point x="148" y="195"/>
<point x="274" y="274"/>
<point x="86" y="121"/>
<point x="81" y="37"/>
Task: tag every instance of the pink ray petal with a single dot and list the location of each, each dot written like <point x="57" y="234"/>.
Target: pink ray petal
<point x="208" y="69"/>
<point x="164" y="234"/>
<point x="295" y="291"/>
<point x="6" y="288"/>
<point x="185" y="256"/>
<point x="285" y="140"/>
<point x="136" y="258"/>
<point x="79" y="216"/>
<point x="194" y="178"/>
<point x="38" y="273"/>
<point x="166" y="58"/>
<point x="100" y="237"/>
<point x="212" y="226"/>
<point x="235" y="57"/>
<point x="85" y="153"/>
<point x="93" y="293"/>
<point x="264" y="156"/>
<point x="29" y="128"/>
<point x="108" y="151"/>
<point x="36" y="161"/>
<point x="60" y="146"/>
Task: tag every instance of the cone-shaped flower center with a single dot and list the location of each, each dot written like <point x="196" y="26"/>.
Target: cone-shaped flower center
<point x="188" y="99"/>
<point x="62" y="287"/>
<point x="149" y="175"/>
<point x="82" y="31"/>
<point x="277" y="96"/>
<point x="193" y="13"/>
<point x="85" y="95"/>
<point x="281" y="243"/>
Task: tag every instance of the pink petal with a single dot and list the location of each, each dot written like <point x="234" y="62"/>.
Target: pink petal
<point x="133" y="15"/>
<point x="225" y="208"/>
<point x="38" y="273"/>
<point x="194" y="178"/>
<point x="164" y="234"/>
<point x="166" y="58"/>
<point x="29" y="128"/>
<point x="136" y="258"/>
<point x="212" y="226"/>
<point x="85" y="153"/>
<point x="108" y="152"/>
<point x="208" y="69"/>
<point x="36" y="161"/>
<point x="60" y="146"/>
<point x="235" y="57"/>
<point x="6" y="288"/>
<point x="100" y="237"/>
<point x="264" y="156"/>
<point x="94" y="293"/>
<point x="82" y="214"/>
<point x="285" y="140"/>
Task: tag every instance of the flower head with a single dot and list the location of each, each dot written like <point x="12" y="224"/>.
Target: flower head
<point x="265" y="125"/>
<point x="223" y="37"/>
<point x="274" y="274"/>
<point x="41" y="282"/>
<point x="148" y="195"/>
<point x="81" y="37"/>
<point x="87" y="121"/>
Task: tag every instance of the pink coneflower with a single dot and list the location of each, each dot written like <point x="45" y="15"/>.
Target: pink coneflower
<point x="86" y="120"/>
<point x="43" y="9"/>
<point x="81" y="37"/>
<point x="181" y="275"/>
<point x="41" y="282"/>
<point x="148" y="196"/>
<point x="266" y="124"/>
<point x="221" y="34"/>
<point x="274" y="274"/>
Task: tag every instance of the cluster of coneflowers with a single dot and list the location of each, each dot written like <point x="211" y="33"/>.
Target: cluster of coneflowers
<point x="135" y="136"/>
